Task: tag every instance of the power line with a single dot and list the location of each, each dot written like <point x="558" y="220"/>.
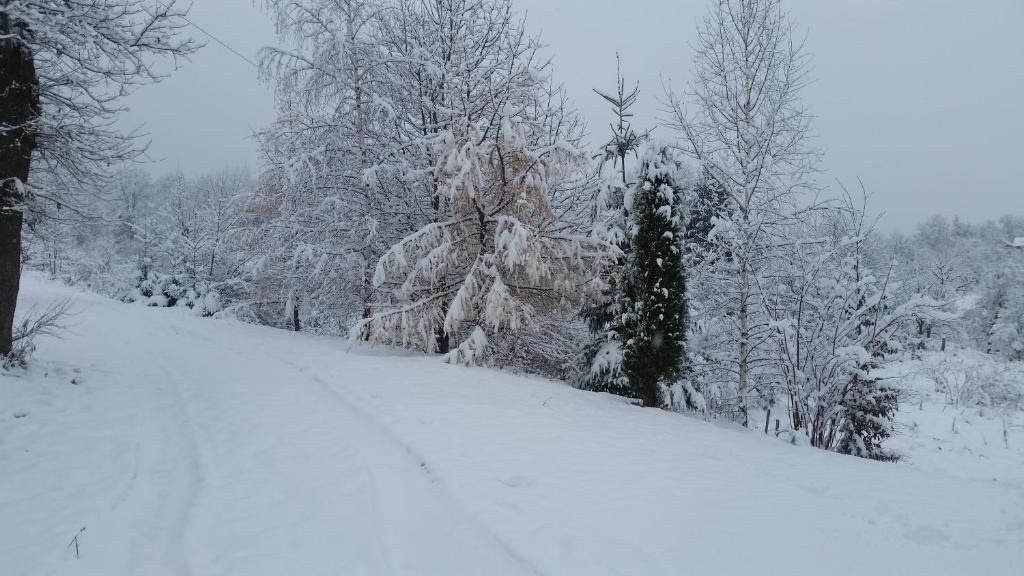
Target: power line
<point x="212" y="37"/>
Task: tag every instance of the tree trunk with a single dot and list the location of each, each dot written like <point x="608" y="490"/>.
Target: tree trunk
<point x="10" y="274"/>
<point x="651" y="394"/>
<point x="744" y="344"/>
<point x="19" y="108"/>
<point x="369" y="203"/>
<point x="296" y="321"/>
<point x="442" y="341"/>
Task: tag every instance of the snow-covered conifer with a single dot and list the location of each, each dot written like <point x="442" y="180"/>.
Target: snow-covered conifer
<point x="654" y="283"/>
<point x="602" y="356"/>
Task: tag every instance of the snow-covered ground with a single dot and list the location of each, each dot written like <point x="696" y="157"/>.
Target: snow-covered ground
<point x="954" y="436"/>
<point x="170" y="444"/>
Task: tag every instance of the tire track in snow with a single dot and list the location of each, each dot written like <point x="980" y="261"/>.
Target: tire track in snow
<point x="359" y="481"/>
<point x="218" y="419"/>
<point x="167" y="462"/>
<point x="399" y="481"/>
<point x="424" y="466"/>
<point x="193" y="484"/>
<point x="366" y="479"/>
<point x="137" y="501"/>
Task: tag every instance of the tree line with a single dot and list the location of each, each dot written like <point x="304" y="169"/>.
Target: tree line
<point x="427" y="184"/>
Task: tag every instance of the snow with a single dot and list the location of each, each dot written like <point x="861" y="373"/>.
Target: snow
<point x="954" y="439"/>
<point x="1018" y="242"/>
<point x="195" y="446"/>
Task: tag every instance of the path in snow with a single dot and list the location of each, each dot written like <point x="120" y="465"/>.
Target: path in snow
<point x="206" y="456"/>
<point x="203" y="447"/>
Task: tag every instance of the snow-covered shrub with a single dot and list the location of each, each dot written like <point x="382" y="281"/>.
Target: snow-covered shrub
<point x="549" y="351"/>
<point x="160" y="290"/>
<point x="968" y="381"/>
<point x="834" y="325"/>
<point x="865" y="419"/>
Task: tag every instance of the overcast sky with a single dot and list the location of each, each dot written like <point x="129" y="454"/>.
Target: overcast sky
<point x="922" y="99"/>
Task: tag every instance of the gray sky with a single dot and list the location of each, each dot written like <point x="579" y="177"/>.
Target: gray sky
<point x="922" y="99"/>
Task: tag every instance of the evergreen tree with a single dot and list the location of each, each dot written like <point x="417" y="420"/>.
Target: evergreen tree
<point x="625" y="140"/>
<point x="709" y="203"/>
<point x="602" y="356"/>
<point x="868" y="413"/>
<point x="654" y="286"/>
<point x="1003" y="304"/>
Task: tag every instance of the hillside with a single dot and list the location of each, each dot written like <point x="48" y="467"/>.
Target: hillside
<point x="170" y="444"/>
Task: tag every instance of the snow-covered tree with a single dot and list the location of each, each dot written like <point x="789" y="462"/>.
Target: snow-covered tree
<point x="937" y="267"/>
<point x="64" y="67"/>
<point x="370" y="95"/>
<point x="654" y="281"/>
<point x="707" y="206"/>
<point x="834" y="324"/>
<point x="602" y="356"/>
<point x="972" y="272"/>
<point x="481" y="149"/>
<point x="745" y="125"/>
<point x="183" y="248"/>
<point x="328" y="213"/>
<point x="483" y="271"/>
<point x="98" y="240"/>
<point x="1002" y="306"/>
<point x="625" y="139"/>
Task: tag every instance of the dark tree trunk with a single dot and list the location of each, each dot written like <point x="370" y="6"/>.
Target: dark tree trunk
<point x="19" y="108"/>
<point x="651" y="394"/>
<point x="442" y="342"/>
<point x="10" y="274"/>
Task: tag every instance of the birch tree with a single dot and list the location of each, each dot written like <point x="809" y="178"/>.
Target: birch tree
<point x="743" y="121"/>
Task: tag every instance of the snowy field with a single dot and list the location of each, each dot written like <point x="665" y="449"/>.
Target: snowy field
<point x="169" y="444"/>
